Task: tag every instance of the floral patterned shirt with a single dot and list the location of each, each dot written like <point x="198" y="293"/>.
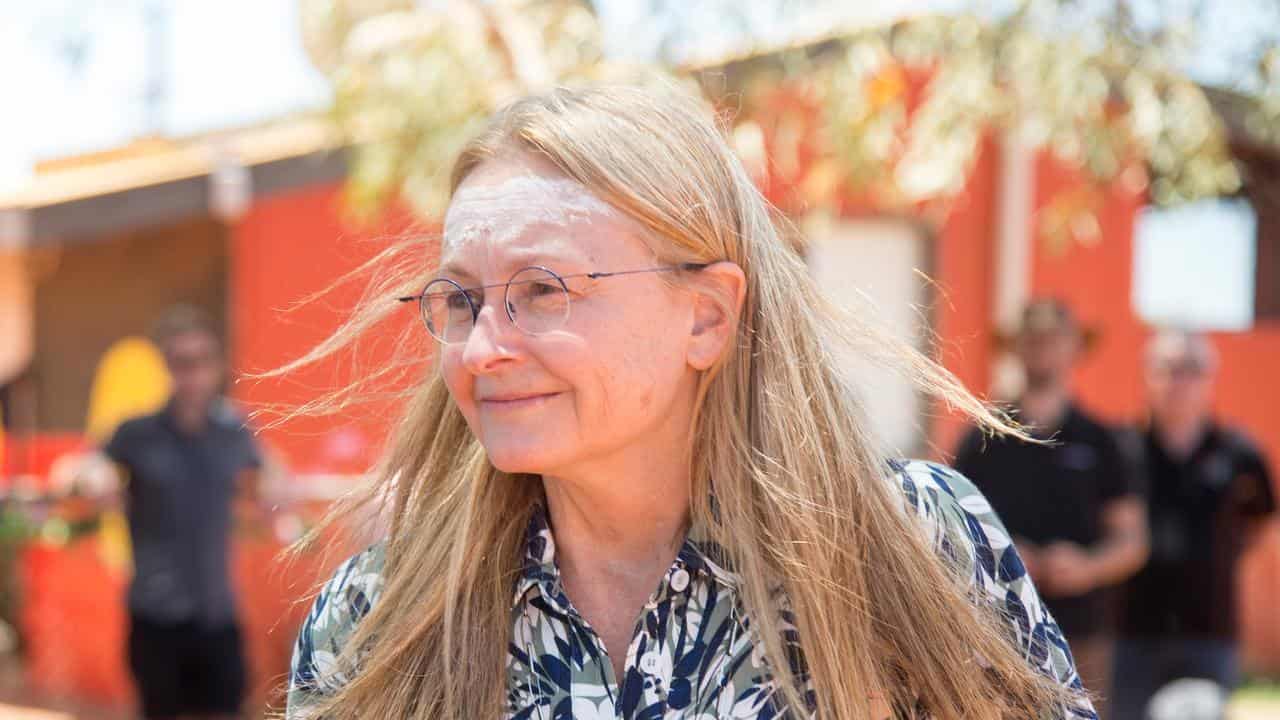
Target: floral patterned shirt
<point x="693" y="656"/>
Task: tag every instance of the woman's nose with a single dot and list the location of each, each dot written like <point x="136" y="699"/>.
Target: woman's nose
<point x="493" y="341"/>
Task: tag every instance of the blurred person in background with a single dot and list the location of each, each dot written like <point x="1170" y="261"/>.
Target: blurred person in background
<point x="1072" y="506"/>
<point x="1209" y="494"/>
<point x="181" y="468"/>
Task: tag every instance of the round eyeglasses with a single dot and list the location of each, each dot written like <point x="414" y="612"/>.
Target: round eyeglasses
<point x="536" y="300"/>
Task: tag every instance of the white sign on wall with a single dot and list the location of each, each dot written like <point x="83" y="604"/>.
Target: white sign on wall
<point x="1194" y="265"/>
<point x="872" y="268"/>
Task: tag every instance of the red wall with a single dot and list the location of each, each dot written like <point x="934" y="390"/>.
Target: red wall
<point x="1097" y="282"/>
<point x="964" y="269"/>
<point x="962" y="266"/>
<point x="1248" y="394"/>
<point x="287" y="247"/>
<point x="1094" y="279"/>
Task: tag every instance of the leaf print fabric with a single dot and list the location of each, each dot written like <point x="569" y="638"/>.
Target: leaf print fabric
<point x="694" y="655"/>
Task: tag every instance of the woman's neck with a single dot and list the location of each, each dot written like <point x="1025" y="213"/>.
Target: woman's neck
<point x="617" y="519"/>
<point x="617" y="530"/>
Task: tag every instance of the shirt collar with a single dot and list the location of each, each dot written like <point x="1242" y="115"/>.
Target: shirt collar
<point x="1065" y="418"/>
<point x="702" y="559"/>
<point x="220" y="415"/>
<point x="1210" y="439"/>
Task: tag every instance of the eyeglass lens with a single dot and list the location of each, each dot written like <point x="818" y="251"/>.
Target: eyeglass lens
<point x="536" y="301"/>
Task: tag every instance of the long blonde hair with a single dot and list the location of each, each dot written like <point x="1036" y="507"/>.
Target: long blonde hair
<point x="802" y="496"/>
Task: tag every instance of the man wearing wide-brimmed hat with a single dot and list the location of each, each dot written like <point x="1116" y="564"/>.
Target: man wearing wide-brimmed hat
<point x="1072" y="505"/>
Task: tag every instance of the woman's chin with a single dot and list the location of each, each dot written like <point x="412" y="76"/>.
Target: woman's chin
<point x="519" y="459"/>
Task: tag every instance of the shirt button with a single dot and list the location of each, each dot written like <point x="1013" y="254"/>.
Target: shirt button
<point x="649" y="662"/>
<point x="680" y="580"/>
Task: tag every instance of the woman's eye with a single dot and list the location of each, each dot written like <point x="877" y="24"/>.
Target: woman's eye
<point x="457" y="301"/>
<point x="541" y="289"/>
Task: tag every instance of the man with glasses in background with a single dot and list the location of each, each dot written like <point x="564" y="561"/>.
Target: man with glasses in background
<point x="1209" y="494"/>
<point x="182" y="467"/>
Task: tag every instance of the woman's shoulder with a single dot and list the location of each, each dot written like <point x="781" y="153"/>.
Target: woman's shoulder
<point x="338" y="608"/>
<point x="352" y="589"/>
<point x="961" y="523"/>
<point x="928" y="484"/>
<point x="968" y="533"/>
<point x="931" y="487"/>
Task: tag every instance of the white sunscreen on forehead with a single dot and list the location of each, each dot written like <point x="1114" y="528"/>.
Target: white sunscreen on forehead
<point x="505" y="210"/>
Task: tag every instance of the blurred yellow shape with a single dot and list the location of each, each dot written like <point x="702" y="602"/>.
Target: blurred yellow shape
<point x="113" y="542"/>
<point x="131" y="380"/>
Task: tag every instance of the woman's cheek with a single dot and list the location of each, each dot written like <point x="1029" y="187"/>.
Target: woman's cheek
<point x="627" y="388"/>
<point x="458" y="381"/>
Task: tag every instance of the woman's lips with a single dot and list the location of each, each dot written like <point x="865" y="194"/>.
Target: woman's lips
<point x="515" y="402"/>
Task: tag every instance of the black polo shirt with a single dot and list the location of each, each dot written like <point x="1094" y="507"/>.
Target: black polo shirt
<point x="1047" y="493"/>
<point x="1199" y="509"/>
<point x="179" y="491"/>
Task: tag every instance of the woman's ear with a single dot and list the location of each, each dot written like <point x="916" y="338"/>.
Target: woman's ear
<point x="719" y="290"/>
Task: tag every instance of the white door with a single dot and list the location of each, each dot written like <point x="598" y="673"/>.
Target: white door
<point x="875" y="268"/>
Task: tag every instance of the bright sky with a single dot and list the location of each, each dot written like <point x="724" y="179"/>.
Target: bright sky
<point x="75" y="72"/>
<point x="78" y="72"/>
<point x="688" y="31"/>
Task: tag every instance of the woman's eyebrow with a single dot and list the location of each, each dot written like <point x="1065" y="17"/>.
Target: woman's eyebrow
<point x="517" y="261"/>
<point x="560" y="264"/>
<point x="454" y="272"/>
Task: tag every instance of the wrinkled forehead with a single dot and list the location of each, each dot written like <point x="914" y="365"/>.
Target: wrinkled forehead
<point x="500" y="204"/>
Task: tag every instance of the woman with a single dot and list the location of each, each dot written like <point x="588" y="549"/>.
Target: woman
<point x="637" y="486"/>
